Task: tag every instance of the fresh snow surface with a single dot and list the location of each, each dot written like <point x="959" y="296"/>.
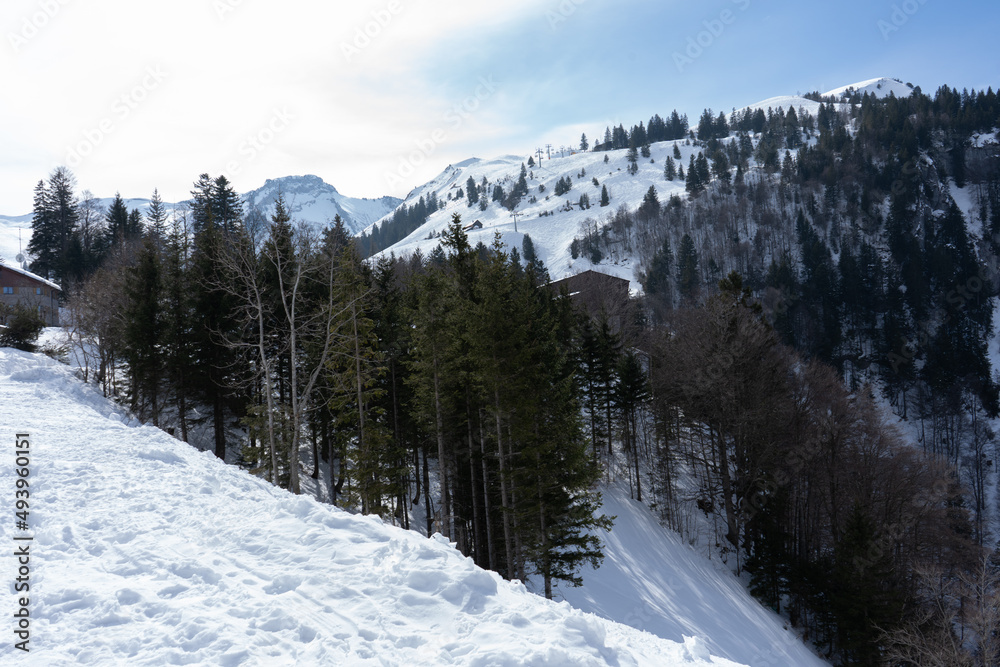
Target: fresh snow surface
<point x="684" y="594"/>
<point x="553" y="234"/>
<point x="786" y="102"/>
<point x="12" y="265"/>
<point x="880" y="87"/>
<point x="148" y="552"/>
<point x="550" y="234"/>
<point x="10" y="229"/>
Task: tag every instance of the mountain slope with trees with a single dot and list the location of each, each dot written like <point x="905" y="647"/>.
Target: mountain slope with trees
<point x="802" y="381"/>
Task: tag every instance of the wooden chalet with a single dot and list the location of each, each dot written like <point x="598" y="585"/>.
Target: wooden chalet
<point x="21" y="287"/>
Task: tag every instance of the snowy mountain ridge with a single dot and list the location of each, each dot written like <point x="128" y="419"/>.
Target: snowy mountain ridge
<point x="553" y="222"/>
<point x="880" y="87"/>
<point x="308" y="199"/>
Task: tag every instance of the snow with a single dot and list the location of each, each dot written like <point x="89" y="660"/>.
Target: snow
<point x="786" y="102"/>
<point x="147" y="552"/>
<point x="310" y="199"/>
<point x="14" y="266"/>
<point x="881" y="87"/>
<point x="991" y="138"/>
<point x="682" y="595"/>
<point x="11" y="228"/>
<point x="551" y="234"/>
<point x="965" y="198"/>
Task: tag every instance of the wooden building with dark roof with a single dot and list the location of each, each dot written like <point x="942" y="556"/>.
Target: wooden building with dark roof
<point x="21" y="287"/>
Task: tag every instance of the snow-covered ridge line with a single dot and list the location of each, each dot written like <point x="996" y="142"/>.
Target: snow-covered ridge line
<point x="880" y="87"/>
<point x="553" y="222"/>
<point x="308" y="199"/>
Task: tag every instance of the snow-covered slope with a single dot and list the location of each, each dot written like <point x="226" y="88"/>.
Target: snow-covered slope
<point x="552" y="222"/>
<point x="15" y="232"/>
<point x="651" y="580"/>
<point x="148" y="552"/>
<point x="786" y="102"/>
<point x="310" y="199"/>
<point x="880" y="88"/>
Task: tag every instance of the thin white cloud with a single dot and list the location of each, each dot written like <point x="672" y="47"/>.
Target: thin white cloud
<point x="135" y="95"/>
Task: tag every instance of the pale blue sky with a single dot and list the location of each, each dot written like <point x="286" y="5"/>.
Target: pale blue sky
<point x="135" y="97"/>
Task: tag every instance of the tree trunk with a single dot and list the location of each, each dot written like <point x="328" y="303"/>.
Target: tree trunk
<point x="427" y="496"/>
<point x="218" y="419"/>
<point x="486" y="496"/>
<point x="732" y="523"/>
<point x="475" y="540"/>
<point x="445" y="508"/>
<point x="504" y="498"/>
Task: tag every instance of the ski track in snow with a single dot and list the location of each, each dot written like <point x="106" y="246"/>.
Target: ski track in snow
<point x="148" y="552"/>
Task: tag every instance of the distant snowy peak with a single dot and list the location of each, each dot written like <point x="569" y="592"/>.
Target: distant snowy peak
<point x="310" y="199"/>
<point x="785" y="102"/>
<point x="880" y="88"/>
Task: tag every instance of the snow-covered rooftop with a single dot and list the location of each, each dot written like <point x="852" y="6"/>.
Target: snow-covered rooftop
<point x="9" y="266"/>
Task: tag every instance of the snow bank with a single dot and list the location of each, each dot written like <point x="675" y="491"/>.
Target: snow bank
<point x="683" y="595"/>
<point x="147" y="552"/>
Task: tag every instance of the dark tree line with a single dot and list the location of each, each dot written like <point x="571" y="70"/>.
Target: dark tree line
<point x="658" y="129"/>
<point x="444" y="388"/>
<point x="843" y="227"/>
<point x="404" y="221"/>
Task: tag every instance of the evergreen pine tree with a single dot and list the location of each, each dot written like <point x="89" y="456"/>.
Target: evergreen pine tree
<point x="142" y="334"/>
<point x="116" y="231"/>
<point x="44" y="234"/>
<point x="177" y="322"/>
<point x="670" y="170"/>
<point x="54" y="222"/>
<point x="656" y="280"/>
<point x="693" y="183"/>
<point x="472" y="191"/>
<point x="214" y="362"/>
<point x="633" y="160"/>
<point x="158" y="218"/>
<point x="704" y="175"/>
<point x="687" y="268"/>
<point x="650" y="207"/>
<point x="630" y="394"/>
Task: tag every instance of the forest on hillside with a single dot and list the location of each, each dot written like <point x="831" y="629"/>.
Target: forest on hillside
<point x="823" y="274"/>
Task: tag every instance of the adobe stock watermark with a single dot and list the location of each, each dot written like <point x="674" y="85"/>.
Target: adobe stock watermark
<point x="364" y="35"/>
<point x="901" y="15"/>
<point x="455" y="118"/>
<point x="225" y="7"/>
<point x="561" y="14"/>
<point x="258" y="142"/>
<point x="32" y="25"/>
<point x="702" y="41"/>
<point x="121" y="109"/>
